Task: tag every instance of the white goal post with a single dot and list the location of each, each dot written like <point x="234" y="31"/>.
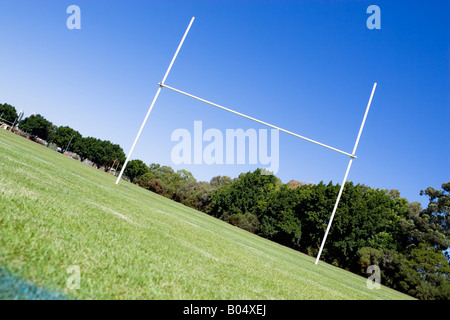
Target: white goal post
<point x="351" y="155"/>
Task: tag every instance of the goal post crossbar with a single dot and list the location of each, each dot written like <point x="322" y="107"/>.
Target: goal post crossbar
<point x="256" y="120"/>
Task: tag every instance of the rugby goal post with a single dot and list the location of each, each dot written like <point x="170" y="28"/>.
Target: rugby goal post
<point x="350" y="155"/>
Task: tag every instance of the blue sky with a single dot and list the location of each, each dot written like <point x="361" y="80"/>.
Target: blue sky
<point x="306" y="66"/>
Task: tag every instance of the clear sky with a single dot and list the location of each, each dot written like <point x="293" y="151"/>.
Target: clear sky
<point x="306" y="66"/>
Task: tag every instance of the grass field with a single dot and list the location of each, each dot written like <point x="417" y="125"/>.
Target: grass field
<point x="130" y="243"/>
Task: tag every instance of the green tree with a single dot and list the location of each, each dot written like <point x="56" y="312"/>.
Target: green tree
<point x="277" y="217"/>
<point x="220" y="181"/>
<point x="170" y="181"/>
<point x="365" y="218"/>
<point x="147" y="181"/>
<point x="135" y="169"/>
<point x="392" y="264"/>
<point x="196" y="195"/>
<point x="418" y="265"/>
<point x="36" y="125"/>
<point x="434" y="273"/>
<point x="8" y="112"/>
<point x="430" y="225"/>
<point x="63" y="135"/>
<point x="186" y="176"/>
<point x="108" y="154"/>
<point x="239" y="200"/>
<point x="86" y="147"/>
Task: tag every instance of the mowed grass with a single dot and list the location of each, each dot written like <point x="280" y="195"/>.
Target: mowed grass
<point x="130" y="243"/>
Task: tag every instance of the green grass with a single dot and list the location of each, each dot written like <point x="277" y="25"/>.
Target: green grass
<point x="130" y="243"/>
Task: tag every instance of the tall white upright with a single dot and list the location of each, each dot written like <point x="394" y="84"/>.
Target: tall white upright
<point x="154" y="101"/>
<point x="346" y="174"/>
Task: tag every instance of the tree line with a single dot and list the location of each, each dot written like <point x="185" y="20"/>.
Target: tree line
<point x="371" y="226"/>
<point x="102" y="153"/>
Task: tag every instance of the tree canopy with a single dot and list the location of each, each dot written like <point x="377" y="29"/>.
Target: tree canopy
<point x="135" y="169"/>
<point x="36" y="125"/>
<point x="64" y="135"/>
<point x="371" y="226"/>
<point x="103" y="153"/>
<point x="8" y="112"/>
